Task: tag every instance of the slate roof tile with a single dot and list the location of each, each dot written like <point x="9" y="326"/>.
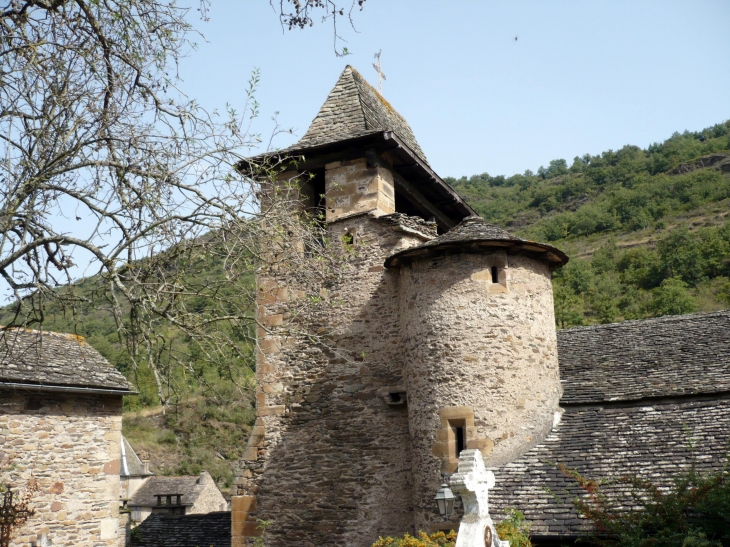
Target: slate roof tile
<point x="475" y="230"/>
<point x="648" y="398"/>
<point x="189" y="487"/>
<point x="354" y="108"/>
<point x="667" y="356"/>
<point x="653" y="442"/>
<point x="207" y="530"/>
<point x="55" y="359"/>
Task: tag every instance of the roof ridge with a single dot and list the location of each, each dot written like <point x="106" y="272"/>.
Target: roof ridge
<point x="353" y="73"/>
<point x="659" y="319"/>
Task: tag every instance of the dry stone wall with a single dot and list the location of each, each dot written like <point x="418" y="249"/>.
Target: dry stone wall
<point x="480" y="356"/>
<point x="71" y="445"/>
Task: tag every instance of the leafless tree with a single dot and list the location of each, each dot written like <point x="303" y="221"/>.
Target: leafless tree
<point x="105" y="161"/>
<point x="300" y="13"/>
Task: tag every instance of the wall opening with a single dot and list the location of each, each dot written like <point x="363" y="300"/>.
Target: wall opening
<point x="396" y="398"/>
<point x="458" y="428"/>
<point x="495" y="274"/>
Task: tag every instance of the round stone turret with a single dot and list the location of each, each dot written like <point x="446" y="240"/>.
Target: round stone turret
<point x="480" y="349"/>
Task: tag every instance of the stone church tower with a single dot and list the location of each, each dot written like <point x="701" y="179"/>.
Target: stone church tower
<point x="443" y="338"/>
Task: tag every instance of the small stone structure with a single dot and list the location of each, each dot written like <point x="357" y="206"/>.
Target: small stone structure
<point x="176" y="496"/>
<point x="60" y="423"/>
<point x="473" y="481"/>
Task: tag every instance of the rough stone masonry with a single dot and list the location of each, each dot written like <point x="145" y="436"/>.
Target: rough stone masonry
<point x="423" y="346"/>
<point x="61" y="425"/>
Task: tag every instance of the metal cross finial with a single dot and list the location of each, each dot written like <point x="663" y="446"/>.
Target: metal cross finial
<point x="381" y="76"/>
<point x="12" y="515"/>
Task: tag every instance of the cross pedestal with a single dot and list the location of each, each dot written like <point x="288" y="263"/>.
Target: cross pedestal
<point x="472" y="480"/>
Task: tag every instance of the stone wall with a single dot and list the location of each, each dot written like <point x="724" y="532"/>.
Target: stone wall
<point x="329" y="459"/>
<point x="480" y="356"/>
<point x="210" y="498"/>
<point x="71" y="445"/>
<point x="354" y="187"/>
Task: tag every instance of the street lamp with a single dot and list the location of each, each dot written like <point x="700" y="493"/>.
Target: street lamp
<point x="445" y="501"/>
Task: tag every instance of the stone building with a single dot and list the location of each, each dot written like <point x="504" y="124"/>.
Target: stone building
<point x="650" y="398"/>
<point x="60" y="424"/>
<point x="176" y="496"/>
<point x="436" y="343"/>
<point x="438" y="336"/>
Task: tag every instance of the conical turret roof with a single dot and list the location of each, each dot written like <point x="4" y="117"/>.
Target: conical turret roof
<point x="354" y="108"/>
<point x="474" y="234"/>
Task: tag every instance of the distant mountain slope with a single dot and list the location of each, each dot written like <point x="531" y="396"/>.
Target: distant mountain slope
<point x="647" y="230"/>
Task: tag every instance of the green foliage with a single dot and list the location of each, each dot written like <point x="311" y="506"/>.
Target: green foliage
<point x="422" y="539"/>
<point x="671" y="298"/>
<point x="693" y="512"/>
<point x="686" y="271"/>
<point x="633" y="214"/>
<point x="515" y="529"/>
<point x="200" y="434"/>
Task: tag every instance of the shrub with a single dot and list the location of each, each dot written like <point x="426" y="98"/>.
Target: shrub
<point x="515" y="529"/>
<point x="438" y="539"/>
<point x="693" y="512"/>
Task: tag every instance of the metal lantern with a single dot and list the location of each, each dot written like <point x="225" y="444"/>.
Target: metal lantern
<point x="445" y="501"/>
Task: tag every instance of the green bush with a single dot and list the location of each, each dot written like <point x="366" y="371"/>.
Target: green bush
<point x="693" y="512"/>
<point x="515" y="529"/>
<point x="422" y="539"/>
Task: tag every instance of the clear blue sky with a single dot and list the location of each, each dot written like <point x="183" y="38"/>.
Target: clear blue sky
<point x="582" y="77"/>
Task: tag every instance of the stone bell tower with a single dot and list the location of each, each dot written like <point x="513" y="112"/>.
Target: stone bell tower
<point x="439" y="337"/>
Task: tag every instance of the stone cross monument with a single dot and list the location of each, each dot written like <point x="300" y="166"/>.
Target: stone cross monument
<point x="472" y="480"/>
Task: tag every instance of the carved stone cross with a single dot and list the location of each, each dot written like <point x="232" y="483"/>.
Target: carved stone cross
<point x="472" y="480"/>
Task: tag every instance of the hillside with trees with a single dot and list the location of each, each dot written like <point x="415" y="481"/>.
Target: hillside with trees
<point x="647" y="230"/>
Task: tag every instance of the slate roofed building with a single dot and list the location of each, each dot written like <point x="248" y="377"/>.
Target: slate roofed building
<point x="176" y="496"/>
<point x="133" y="472"/>
<point x="649" y="398"/>
<point x="443" y="339"/>
<point x="61" y="422"/>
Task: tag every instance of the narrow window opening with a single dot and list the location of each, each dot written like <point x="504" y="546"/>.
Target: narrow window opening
<point x="460" y="440"/>
<point x="495" y="275"/>
<point x="348" y="239"/>
<point x="458" y="429"/>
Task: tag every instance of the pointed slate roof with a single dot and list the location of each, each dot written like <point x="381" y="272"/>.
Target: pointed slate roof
<point x="473" y="234"/>
<point x="354" y="108"/>
<point x="131" y="465"/>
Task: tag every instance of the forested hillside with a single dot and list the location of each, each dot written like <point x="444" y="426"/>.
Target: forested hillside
<point x="208" y="408"/>
<point x="647" y="230"/>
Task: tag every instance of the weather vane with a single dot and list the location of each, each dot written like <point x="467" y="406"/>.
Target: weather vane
<point x="381" y="76"/>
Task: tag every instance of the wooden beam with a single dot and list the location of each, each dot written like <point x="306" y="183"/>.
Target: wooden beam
<point x="419" y="200"/>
